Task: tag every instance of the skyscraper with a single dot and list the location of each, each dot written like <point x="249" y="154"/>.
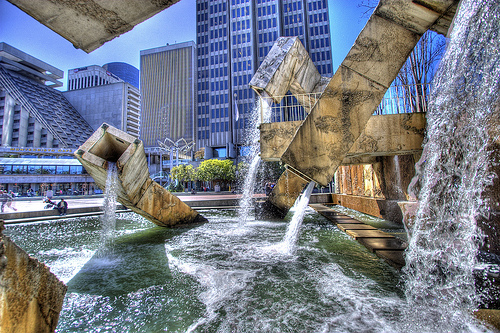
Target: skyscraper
<point x="168" y="93"/>
<point x="233" y="37"/>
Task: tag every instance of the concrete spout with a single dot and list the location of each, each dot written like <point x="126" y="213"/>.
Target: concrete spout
<point x="136" y="190"/>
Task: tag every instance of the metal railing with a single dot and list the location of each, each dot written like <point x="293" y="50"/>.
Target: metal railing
<point x="291" y="107"/>
<point x="398" y="99"/>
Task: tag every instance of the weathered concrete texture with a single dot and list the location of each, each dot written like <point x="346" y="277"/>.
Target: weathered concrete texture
<point x="31" y="297"/>
<point x="136" y="190"/>
<point x="287" y="67"/>
<point x="396" y="134"/>
<point x="385" y="209"/>
<point x="338" y="118"/>
<point x="285" y="192"/>
<point x="89" y="24"/>
<point x="388" y="177"/>
<point x="352" y="95"/>
<point x="275" y="138"/>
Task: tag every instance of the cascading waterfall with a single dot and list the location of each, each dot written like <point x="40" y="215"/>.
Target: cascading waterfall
<point x="246" y="201"/>
<point x="108" y="219"/>
<point x="289" y="243"/>
<point x="439" y="282"/>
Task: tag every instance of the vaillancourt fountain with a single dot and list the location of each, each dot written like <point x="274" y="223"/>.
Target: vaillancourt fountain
<point x="228" y="275"/>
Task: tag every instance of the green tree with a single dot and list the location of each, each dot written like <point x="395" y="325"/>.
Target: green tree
<point x="215" y="170"/>
<point x="183" y="173"/>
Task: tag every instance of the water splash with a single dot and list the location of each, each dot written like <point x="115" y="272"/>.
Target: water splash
<point x="439" y="282"/>
<point x="262" y="113"/>
<point x="289" y="243"/>
<point x="108" y="219"/>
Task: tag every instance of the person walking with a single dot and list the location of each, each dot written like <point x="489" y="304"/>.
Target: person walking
<point x="10" y="199"/>
<point x="4" y="197"/>
<point x="62" y="207"/>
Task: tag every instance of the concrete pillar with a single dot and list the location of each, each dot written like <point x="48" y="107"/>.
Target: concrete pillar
<point x="23" y="128"/>
<point x="50" y="140"/>
<point x="37" y="134"/>
<point x="8" y="120"/>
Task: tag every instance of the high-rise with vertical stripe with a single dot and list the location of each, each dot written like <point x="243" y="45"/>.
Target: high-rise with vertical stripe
<point x="233" y="37"/>
<point x="168" y="86"/>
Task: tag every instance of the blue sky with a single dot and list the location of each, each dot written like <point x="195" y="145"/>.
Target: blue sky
<point x="25" y="33"/>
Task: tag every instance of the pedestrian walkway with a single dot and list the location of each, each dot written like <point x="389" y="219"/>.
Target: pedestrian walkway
<point x="384" y="245"/>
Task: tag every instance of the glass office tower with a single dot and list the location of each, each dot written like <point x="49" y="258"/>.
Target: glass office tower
<point x="233" y="37"/>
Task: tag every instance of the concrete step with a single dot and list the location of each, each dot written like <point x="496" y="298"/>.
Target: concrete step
<point x="384" y="245"/>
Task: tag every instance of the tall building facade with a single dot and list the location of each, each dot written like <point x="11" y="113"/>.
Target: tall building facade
<point x="32" y="112"/>
<point x="168" y="89"/>
<point x="101" y="96"/>
<point x="233" y="38"/>
<point x="124" y="71"/>
<point x="118" y="104"/>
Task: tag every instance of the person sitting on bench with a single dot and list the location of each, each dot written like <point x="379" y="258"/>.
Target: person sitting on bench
<point x="62" y="207"/>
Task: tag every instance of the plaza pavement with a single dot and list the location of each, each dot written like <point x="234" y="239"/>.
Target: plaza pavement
<point x="32" y="209"/>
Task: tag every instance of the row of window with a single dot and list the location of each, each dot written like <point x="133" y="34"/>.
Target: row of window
<point x="293" y="19"/>
<point x="321" y="42"/>
<point x="218" y="20"/>
<point x="319" y="30"/>
<point x="268" y="23"/>
<point x="239" y="12"/>
<point x="217" y="8"/>
<point x="316" y="18"/>
<point x="43" y="170"/>
<point x="218" y="72"/>
<point x="292" y="6"/>
<point x="220" y="46"/>
<point x="241" y="25"/>
<point x="242" y="52"/>
<point x="216" y="33"/>
<point x="268" y="37"/>
<point x="320" y="56"/>
<point x="295" y="31"/>
<point x="320" y="4"/>
<point x="266" y="10"/>
<point x="85" y="82"/>
<point x="239" y="2"/>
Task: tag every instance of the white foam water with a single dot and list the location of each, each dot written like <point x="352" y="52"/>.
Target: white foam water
<point x="439" y="282"/>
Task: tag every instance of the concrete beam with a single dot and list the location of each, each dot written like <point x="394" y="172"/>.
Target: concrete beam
<point x="384" y="135"/>
<point x="89" y="24"/>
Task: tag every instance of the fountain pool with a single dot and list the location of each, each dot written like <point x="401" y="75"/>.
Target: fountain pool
<point x="209" y="278"/>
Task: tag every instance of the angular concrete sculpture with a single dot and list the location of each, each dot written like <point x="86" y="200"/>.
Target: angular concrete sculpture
<point x="31" y="297"/>
<point x="351" y="96"/>
<point x="136" y="189"/>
